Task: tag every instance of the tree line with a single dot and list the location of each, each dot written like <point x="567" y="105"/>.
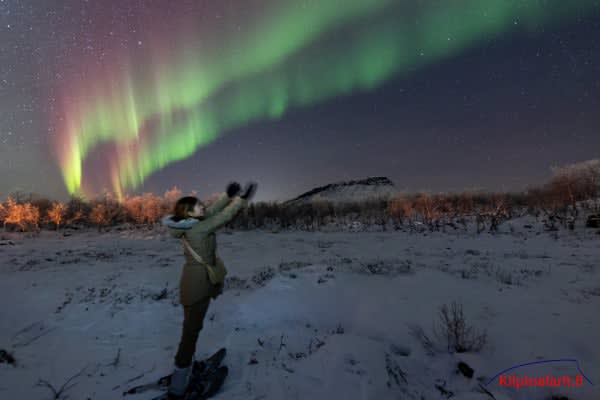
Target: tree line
<point x="570" y="189"/>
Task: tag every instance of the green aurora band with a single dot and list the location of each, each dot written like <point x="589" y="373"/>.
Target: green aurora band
<point x="298" y="57"/>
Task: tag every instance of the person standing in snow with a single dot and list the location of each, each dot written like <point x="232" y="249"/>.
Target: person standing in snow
<point x="196" y="224"/>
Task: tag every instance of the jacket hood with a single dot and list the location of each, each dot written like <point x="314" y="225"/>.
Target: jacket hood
<point x="177" y="228"/>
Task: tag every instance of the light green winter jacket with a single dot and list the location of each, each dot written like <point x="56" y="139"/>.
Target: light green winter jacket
<point x="194" y="283"/>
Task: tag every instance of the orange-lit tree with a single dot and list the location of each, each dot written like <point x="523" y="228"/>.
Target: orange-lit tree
<point x="401" y="208"/>
<point x="146" y="208"/>
<point x="134" y="206"/>
<point x="22" y="215"/>
<point x="171" y="196"/>
<point x="14" y="213"/>
<point x="151" y="208"/>
<point x="428" y="208"/>
<point x="57" y="213"/>
<point x="3" y="214"/>
<point x="32" y="216"/>
<point x="99" y="215"/>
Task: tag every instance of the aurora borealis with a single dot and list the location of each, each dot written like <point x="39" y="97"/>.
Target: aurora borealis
<point x="190" y="73"/>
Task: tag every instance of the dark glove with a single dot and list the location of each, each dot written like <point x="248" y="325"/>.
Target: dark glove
<point x="233" y="188"/>
<point x="249" y="191"/>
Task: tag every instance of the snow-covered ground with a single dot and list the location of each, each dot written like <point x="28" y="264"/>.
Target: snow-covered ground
<point x="305" y="315"/>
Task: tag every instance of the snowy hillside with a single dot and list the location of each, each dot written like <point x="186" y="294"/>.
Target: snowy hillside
<point x="355" y="190"/>
<point x="304" y="315"/>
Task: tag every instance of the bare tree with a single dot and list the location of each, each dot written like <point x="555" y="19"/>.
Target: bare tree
<point x="428" y="207"/>
<point x="134" y="207"/>
<point x="32" y="216"/>
<point x="57" y="213"/>
<point x="151" y="208"/>
<point x="3" y="214"/>
<point x="399" y="209"/>
<point x="172" y="195"/>
<point x="99" y="216"/>
<point x="576" y="182"/>
<point x="22" y="215"/>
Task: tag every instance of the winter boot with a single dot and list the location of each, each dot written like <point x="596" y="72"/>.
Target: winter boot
<point x="179" y="382"/>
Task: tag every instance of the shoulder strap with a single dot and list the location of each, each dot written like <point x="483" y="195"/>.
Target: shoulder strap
<point x="197" y="256"/>
<point x="211" y="272"/>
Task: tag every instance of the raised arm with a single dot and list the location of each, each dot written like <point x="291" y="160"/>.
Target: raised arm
<point x="218" y="220"/>
<point x="223" y="199"/>
<point x="217" y="205"/>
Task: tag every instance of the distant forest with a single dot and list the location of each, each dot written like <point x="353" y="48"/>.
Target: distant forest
<point x="571" y="191"/>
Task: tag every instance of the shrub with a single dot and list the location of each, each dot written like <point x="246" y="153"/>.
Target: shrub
<point x="453" y="329"/>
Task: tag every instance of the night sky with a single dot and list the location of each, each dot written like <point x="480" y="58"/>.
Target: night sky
<point x="141" y="96"/>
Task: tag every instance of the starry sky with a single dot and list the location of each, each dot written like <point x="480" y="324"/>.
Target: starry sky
<point x="134" y="96"/>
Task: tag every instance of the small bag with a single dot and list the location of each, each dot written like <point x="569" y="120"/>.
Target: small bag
<point x="215" y="275"/>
